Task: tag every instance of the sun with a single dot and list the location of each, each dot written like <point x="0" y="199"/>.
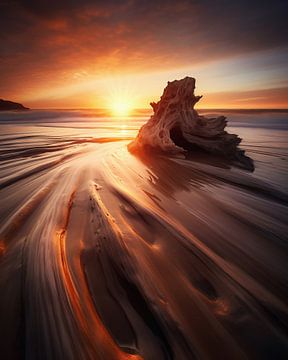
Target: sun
<point x="121" y="97"/>
<point x="121" y="108"/>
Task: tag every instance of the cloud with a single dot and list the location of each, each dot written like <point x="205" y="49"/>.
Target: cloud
<point x="266" y="98"/>
<point x="45" y="43"/>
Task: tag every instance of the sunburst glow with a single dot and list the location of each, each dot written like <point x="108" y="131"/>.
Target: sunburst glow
<point x="121" y="96"/>
<point x="121" y="108"/>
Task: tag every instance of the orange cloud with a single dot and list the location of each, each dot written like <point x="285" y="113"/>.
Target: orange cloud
<point x="48" y="46"/>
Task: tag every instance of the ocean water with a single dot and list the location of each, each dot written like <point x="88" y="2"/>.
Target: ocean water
<point x="104" y="254"/>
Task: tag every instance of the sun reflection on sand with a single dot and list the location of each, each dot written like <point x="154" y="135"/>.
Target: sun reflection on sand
<point x="123" y="129"/>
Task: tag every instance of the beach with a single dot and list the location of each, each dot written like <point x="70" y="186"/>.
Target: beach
<point x="109" y="255"/>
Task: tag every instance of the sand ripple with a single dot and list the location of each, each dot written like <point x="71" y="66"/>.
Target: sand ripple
<point x="105" y="255"/>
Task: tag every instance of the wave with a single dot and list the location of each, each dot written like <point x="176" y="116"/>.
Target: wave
<point x="105" y="255"/>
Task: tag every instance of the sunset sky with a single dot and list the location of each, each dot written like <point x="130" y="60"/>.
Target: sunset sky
<point x="82" y="54"/>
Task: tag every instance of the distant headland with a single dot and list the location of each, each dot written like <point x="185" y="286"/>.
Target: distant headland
<point x="10" y="105"/>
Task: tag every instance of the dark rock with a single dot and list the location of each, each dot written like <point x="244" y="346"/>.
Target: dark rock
<point x="10" y="105"/>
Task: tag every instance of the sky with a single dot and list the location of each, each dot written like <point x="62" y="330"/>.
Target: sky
<point x="93" y="54"/>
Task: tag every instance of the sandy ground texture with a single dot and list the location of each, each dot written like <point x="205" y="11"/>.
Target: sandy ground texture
<point x="109" y="255"/>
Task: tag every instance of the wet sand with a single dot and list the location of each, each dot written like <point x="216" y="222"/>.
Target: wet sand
<point x="108" y="255"/>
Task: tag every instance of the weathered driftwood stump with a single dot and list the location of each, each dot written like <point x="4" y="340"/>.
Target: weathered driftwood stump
<point x="176" y="127"/>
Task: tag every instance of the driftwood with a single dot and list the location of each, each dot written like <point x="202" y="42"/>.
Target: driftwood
<point x="176" y="127"/>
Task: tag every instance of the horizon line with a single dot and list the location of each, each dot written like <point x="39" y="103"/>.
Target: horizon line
<point x="135" y="109"/>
